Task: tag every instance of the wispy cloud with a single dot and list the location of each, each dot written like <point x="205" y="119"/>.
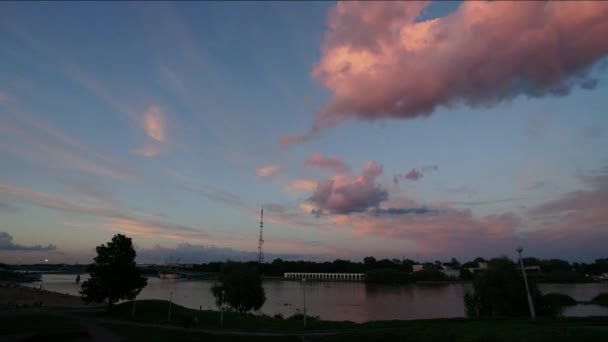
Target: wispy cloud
<point x="7" y="244"/>
<point x="267" y="171"/>
<point x="333" y="163"/>
<point x="153" y="122"/>
<point x="40" y="142"/>
<point x="301" y="185"/>
<point x="115" y="217"/>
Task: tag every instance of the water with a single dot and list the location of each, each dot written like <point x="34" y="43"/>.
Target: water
<point x="351" y="301"/>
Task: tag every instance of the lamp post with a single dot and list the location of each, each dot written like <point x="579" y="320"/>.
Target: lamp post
<point x="304" y="297"/>
<point x="133" y="312"/>
<point x="523" y="270"/>
<point x="170" y="299"/>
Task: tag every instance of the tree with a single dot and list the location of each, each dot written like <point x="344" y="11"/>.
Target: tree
<point x="239" y="287"/>
<point x="500" y="291"/>
<point x="114" y="275"/>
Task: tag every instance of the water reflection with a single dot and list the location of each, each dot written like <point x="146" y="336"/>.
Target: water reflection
<point x="341" y="300"/>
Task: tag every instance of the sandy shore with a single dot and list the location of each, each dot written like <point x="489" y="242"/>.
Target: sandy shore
<point x="12" y="294"/>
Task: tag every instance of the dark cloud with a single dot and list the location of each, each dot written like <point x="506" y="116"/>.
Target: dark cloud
<point x="403" y="211"/>
<point x="413" y="175"/>
<point x="6" y="244"/>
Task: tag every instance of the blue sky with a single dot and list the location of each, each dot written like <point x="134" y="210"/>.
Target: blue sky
<point x="163" y="120"/>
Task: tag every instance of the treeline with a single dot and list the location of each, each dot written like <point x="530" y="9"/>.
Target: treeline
<point x="401" y="270"/>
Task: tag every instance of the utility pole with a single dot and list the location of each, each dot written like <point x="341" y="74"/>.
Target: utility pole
<point x="261" y="239"/>
<point x="170" y="299"/>
<point x="304" y="297"/>
<point x="523" y="270"/>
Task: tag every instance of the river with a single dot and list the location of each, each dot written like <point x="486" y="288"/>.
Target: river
<point x="353" y="301"/>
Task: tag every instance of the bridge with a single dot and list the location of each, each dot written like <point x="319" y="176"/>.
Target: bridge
<point x="332" y="276"/>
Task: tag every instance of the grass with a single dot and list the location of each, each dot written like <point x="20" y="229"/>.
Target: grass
<point x="37" y="323"/>
<point x="137" y="333"/>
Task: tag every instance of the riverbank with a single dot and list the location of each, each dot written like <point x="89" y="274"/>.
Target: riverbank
<point x="13" y="295"/>
<point x="152" y="323"/>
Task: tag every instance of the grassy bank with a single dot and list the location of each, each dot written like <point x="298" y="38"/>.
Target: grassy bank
<point x="155" y="311"/>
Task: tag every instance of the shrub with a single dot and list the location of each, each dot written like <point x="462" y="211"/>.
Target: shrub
<point x="601" y="299"/>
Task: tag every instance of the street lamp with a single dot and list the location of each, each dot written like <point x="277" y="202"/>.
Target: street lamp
<point x="304" y="297"/>
<point x="523" y="270"/>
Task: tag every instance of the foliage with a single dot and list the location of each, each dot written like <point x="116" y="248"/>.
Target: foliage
<point x="114" y="275"/>
<point x="554" y="303"/>
<point x="601" y="299"/>
<point x="239" y="287"/>
<point x="500" y="291"/>
<point x="387" y="276"/>
<point x="429" y="275"/>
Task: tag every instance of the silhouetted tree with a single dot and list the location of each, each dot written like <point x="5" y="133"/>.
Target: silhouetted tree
<point x="114" y="275"/>
<point x="500" y="291"/>
<point x="239" y="287"/>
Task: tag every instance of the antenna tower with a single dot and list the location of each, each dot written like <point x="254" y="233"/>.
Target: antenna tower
<point x="261" y="240"/>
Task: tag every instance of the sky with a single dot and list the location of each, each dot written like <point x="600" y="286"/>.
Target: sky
<point x="421" y="130"/>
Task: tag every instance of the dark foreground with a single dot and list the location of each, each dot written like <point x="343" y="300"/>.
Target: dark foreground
<point x="151" y="324"/>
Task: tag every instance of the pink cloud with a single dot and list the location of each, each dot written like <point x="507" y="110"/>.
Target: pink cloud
<point x="153" y="123"/>
<point x="333" y="163"/>
<point x="378" y="62"/>
<point x="301" y="185"/>
<point x="267" y="171"/>
<point x="342" y="194"/>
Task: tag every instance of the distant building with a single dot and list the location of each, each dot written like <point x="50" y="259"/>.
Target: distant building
<point x="416" y="268"/>
<point x="450" y="272"/>
<point x="481" y="266"/>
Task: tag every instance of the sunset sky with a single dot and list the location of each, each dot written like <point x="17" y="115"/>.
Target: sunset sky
<point x="424" y="130"/>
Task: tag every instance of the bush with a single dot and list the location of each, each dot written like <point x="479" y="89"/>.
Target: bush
<point x="429" y="275"/>
<point x="300" y="317"/>
<point x="554" y="303"/>
<point x="601" y="299"/>
<point x="278" y="316"/>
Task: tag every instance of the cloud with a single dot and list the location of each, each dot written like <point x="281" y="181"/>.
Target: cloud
<point x="342" y="194"/>
<point x="502" y="200"/>
<point x="267" y="171"/>
<point x="149" y="150"/>
<point x="6" y="244"/>
<point x="415" y="175"/>
<point x="402" y="211"/>
<point x="441" y="231"/>
<point x="38" y="141"/>
<point x="378" y="62"/>
<point x="153" y="123"/>
<point x="333" y="163"/>
<point x="301" y="185"/>
<point x="114" y="217"/>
